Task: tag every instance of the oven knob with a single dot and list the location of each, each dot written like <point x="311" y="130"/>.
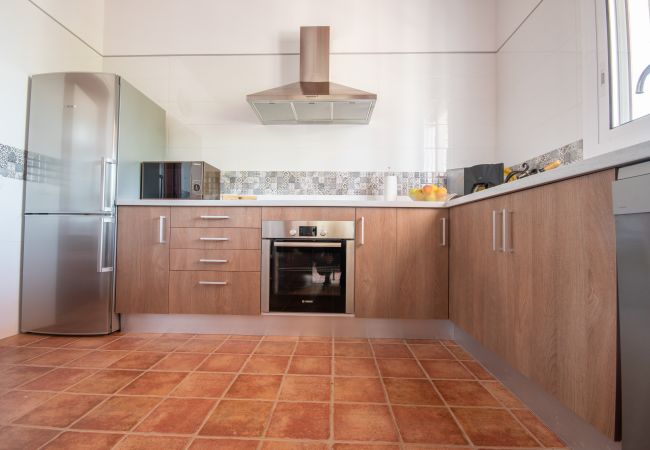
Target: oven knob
<point x="323" y="232"/>
<point x="292" y="232"/>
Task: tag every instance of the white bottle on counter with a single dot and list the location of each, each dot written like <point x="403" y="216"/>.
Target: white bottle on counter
<point x="390" y="187"/>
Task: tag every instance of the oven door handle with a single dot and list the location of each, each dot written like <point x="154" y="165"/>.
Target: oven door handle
<point x="308" y="244"/>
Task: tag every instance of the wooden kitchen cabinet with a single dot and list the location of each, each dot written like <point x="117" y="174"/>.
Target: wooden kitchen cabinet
<point x="401" y="267"/>
<point x="142" y="269"/>
<point x="547" y="304"/>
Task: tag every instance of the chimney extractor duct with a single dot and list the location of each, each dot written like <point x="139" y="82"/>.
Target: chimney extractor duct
<point x="314" y="99"/>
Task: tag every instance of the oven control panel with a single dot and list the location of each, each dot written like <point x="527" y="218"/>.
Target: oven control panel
<point x="307" y="231"/>
<point x="276" y="229"/>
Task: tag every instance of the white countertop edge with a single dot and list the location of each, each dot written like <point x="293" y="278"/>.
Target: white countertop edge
<point x="618" y="158"/>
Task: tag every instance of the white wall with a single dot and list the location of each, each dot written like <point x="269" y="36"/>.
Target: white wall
<point x="509" y="15"/>
<point x="30" y="42"/>
<point x="539" y="84"/>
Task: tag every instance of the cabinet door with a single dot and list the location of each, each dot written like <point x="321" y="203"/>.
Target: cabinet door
<point x="375" y="261"/>
<point x="142" y="265"/>
<point x="422" y="265"/>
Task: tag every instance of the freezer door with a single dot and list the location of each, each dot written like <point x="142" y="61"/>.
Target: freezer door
<point x="71" y="143"/>
<point x="67" y="283"/>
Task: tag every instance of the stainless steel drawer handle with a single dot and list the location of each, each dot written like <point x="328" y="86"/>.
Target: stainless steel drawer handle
<point x="161" y="230"/>
<point x="213" y="239"/>
<point x="213" y="283"/>
<point x="215" y="217"/>
<point x="443" y="221"/>
<point x="308" y="244"/>
<point x="494" y="231"/>
<point x="216" y="261"/>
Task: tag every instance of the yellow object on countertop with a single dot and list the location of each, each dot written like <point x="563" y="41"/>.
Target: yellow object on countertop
<point x="238" y="197"/>
<point x="552" y="165"/>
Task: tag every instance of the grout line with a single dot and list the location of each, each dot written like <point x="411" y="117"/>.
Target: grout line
<point x="519" y="26"/>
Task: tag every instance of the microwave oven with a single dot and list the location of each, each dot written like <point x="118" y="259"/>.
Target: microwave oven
<point x="193" y="180"/>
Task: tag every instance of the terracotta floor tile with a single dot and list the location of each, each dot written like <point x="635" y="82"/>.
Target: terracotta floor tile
<point x="223" y="444"/>
<point x="177" y="415"/>
<point x="400" y="368"/>
<point x="478" y="370"/>
<point x="314" y="348"/>
<point x="431" y="351"/>
<point x="239" y="347"/>
<point x="441" y="369"/>
<point x="493" y="427"/>
<point x="365" y="447"/>
<point x="264" y="387"/>
<point x="246" y="337"/>
<point x="275" y="348"/>
<point x="357" y="389"/>
<point x="117" y="413"/>
<point x="281" y="338"/>
<point x="431" y="425"/>
<point x="422" y="341"/>
<point x="465" y="393"/>
<point x="20" y="438"/>
<point x="200" y="346"/>
<point x="355" y="367"/>
<point x="502" y="394"/>
<point x="359" y="340"/>
<point x="105" y="382"/>
<point x="58" y="357"/>
<point x="538" y="429"/>
<point x="363" y="423"/>
<point x="238" y="418"/>
<point x="154" y="383"/>
<point x="18" y="340"/>
<point x="138" y="360"/>
<point x="223" y="363"/>
<point x="311" y="365"/>
<point x="92" y="342"/>
<point x="180" y="361"/>
<point x="60" y="411"/>
<point x="16" y="375"/>
<point x="386" y="341"/>
<point x="54" y="341"/>
<point x="98" y="359"/>
<point x="163" y="344"/>
<point x="306" y="388"/>
<point x="300" y="421"/>
<point x="16" y="403"/>
<point x="125" y="343"/>
<point x="72" y="440"/>
<point x="178" y="335"/>
<point x="294" y="445"/>
<point x="266" y="364"/>
<point x="58" y="379"/>
<point x="212" y="336"/>
<point x="203" y="384"/>
<point x="391" y="351"/>
<point x="134" y="442"/>
<point x="16" y="355"/>
<point x="352" y="349"/>
<point x="460" y="353"/>
<point x="315" y="338"/>
<point x="411" y="392"/>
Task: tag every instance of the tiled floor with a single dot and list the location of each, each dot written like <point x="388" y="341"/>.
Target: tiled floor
<point x="173" y="391"/>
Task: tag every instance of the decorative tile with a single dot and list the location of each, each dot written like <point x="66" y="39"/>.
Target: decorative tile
<point x="12" y="162"/>
<point x="567" y="154"/>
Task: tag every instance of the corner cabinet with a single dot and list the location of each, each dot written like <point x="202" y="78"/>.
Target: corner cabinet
<point x="533" y="278"/>
<point x="142" y="269"/>
<point x="401" y="263"/>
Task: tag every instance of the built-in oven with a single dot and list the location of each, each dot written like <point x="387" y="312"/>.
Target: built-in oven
<point x="308" y="267"/>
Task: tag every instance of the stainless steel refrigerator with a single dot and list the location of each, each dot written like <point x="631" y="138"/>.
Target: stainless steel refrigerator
<point x="87" y="133"/>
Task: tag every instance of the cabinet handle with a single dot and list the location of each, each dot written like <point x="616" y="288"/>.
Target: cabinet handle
<point x="213" y="239"/>
<point x="443" y="221"/>
<point x="213" y="283"/>
<point x="215" y="217"/>
<point x="363" y="230"/>
<point x="161" y="230"/>
<point x="216" y="261"/>
<point x="504" y="230"/>
<point x="494" y="231"/>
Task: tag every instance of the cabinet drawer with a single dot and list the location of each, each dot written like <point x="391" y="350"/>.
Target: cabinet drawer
<point x="216" y="238"/>
<point x="216" y="260"/>
<point x="214" y="292"/>
<point x="216" y="217"/>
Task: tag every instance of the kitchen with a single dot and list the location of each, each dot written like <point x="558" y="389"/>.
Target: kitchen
<point x="279" y="225"/>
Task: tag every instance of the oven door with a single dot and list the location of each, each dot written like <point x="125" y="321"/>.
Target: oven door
<point x="307" y="276"/>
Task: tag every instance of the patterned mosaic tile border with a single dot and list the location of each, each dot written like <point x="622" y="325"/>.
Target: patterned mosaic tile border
<point x="567" y="154"/>
<point x="12" y="162"/>
<point x="320" y="183"/>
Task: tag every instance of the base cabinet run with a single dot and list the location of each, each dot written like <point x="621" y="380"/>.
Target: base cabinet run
<point x="533" y="278"/>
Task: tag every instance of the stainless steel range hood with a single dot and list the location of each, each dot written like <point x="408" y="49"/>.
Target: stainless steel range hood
<point x="314" y="99"/>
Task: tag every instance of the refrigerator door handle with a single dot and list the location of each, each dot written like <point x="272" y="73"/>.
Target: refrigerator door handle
<point x="108" y="199"/>
<point x="101" y="251"/>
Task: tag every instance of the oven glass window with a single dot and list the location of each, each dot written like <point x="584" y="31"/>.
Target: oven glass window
<point x="307" y="279"/>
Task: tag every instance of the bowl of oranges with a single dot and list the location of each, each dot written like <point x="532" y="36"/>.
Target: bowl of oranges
<point x="428" y="193"/>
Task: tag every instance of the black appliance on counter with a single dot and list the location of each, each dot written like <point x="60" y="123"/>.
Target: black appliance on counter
<point x="308" y="267"/>
<point x="192" y="180"/>
<point x="474" y="179"/>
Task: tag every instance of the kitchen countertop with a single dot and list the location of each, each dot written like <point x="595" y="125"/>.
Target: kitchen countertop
<point x="619" y="158"/>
